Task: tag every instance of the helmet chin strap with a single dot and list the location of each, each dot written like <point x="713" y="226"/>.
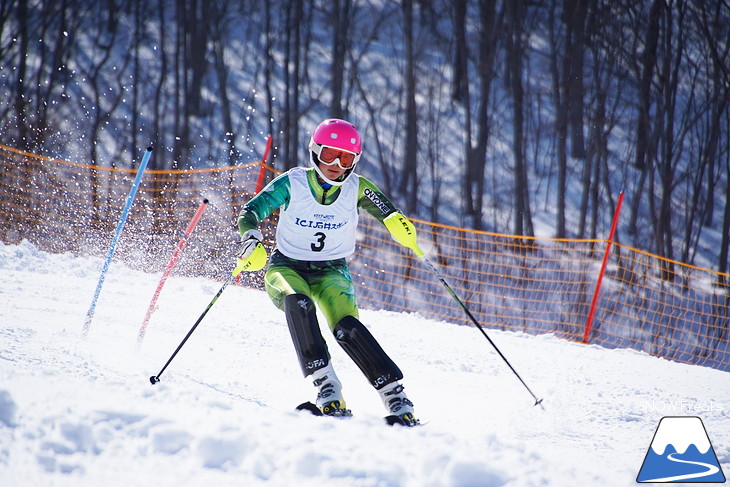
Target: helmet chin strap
<point x="344" y="176"/>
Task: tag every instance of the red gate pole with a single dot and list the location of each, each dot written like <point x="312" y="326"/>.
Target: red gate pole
<point x="169" y="267"/>
<point x="589" y="321"/>
<point x="262" y="171"/>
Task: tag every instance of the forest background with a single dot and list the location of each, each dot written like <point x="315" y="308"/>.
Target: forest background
<point x="518" y="116"/>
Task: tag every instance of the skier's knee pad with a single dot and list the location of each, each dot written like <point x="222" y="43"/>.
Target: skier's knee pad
<point x="366" y="352"/>
<point x="301" y="316"/>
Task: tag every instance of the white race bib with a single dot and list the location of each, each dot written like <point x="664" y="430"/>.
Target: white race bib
<point x="309" y="230"/>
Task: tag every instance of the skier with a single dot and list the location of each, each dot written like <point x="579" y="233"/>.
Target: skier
<point x="316" y="231"/>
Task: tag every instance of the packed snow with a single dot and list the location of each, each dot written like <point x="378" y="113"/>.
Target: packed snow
<point x="80" y="411"/>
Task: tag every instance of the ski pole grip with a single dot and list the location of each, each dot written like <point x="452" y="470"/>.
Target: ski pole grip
<point x="238" y="269"/>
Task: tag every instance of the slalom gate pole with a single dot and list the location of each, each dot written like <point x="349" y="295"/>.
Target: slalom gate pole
<point x="117" y="233"/>
<point x="596" y="292"/>
<point x="156" y="378"/>
<point x="168" y="269"/>
<point x="481" y="329"/>
<point x="262" y="171"/>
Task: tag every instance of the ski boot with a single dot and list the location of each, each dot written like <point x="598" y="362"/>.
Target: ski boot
<point x="399" y="406"/>
<point x="329" y="396"/>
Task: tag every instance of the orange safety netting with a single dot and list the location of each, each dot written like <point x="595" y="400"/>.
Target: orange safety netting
<point x="508" y="282"/>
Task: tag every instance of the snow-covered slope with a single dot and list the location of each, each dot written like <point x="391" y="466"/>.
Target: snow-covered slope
<point x="82" y="412"/>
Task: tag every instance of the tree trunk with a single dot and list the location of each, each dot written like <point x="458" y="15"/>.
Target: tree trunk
<point x="523" y="216"/>
<point x="340" y="47"/>
<point x="487" y="50"/>
<point x="642" y="159"/>
<point x="409" y="183"/>
<point x="460" y="94"/>
<point x="560" y="99"/>
<point x="722" y="261"/>
<point x="575" y="14"/>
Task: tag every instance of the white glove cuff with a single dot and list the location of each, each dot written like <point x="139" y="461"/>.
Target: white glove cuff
<point x="254" y="233"/>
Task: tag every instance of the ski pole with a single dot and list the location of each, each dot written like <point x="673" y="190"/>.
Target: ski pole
<point x="481" y="329"/>
<point x="156" y="378"/>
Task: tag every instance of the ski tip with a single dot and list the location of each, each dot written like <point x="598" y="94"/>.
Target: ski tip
<point x="409" y="422"/>
<point x="392" y="420"/>
<point x="154" y="380"/>
<point x="310" y="408"/>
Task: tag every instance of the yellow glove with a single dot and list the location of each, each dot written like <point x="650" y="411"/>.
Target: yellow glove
<point x="403" y="231"/>
<point x="253" y="255"/>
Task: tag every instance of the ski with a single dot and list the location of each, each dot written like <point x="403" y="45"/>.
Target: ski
<point x="314" y="410"/>
<point x="409" y="422"/>
<point x="310" y="407"/>
<point x="393" y="420"/>
<point x="389" y="420"/>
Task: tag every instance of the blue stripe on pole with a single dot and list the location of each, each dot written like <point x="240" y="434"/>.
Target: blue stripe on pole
<point x="120" y="226"/>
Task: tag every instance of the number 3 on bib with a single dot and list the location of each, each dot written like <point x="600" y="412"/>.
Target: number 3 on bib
<point x="319" y="244"/>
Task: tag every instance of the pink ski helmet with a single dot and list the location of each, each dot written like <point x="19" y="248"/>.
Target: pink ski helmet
<point x="339" y="135"/>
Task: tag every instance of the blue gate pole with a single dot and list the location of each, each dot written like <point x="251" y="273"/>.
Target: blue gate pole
<point x="120" y="226"/>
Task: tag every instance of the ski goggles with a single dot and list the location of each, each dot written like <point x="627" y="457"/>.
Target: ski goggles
<point x="329" y="156"/>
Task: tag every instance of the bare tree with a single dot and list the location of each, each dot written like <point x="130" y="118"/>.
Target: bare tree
<point x="575" y="13"/>
<point x="561" y="100"/>
<point x="460" y="94"/>
<point x="673" y="123"/>
<point x="20" y="100"/>
<point x="409" y="181"/>
<point x="515" y="53"/>
<point x="710" y="101"/>
<point x="722" y="264"/>
<point x="566" y="67"/>
<point x="608" y="77"/>
<point x="475" y="153"/>
<point x="293" y="75"/>
<point x="137" y="40"/>
<point x="159" y="101"/>
<point x="269" y="66"/>
<point x="341" y="32"/>
<point x="191" y="66"/>
<point x="218" y="37"/>
<point x="375" y="104"/>
<point x="645" y="138"/>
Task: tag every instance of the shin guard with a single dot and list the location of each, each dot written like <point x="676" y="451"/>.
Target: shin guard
<point x="366" y="352"/>
<point x="301" y="316"/>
